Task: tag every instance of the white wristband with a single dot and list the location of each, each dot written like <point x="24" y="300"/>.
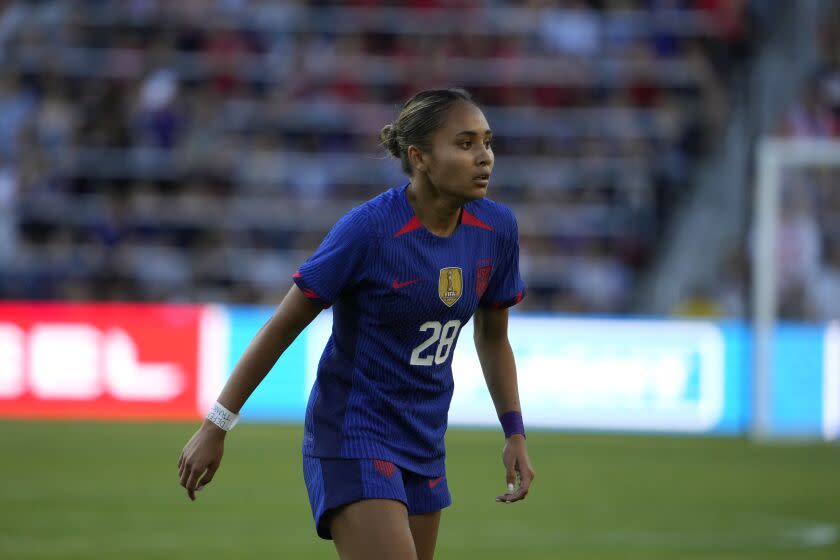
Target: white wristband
<point x="222" y="417"/>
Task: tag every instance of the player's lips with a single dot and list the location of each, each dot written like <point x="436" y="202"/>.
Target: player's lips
<point x="482" y="179"/>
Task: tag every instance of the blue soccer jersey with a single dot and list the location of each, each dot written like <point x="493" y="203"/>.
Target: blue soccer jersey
<point x="400" y="296"/>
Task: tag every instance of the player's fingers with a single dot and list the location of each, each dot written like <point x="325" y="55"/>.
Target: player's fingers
<point x="510" y="476"/>
<point x="511" y="489"/>
<point x="527" y="477"/>
<point x="192" y="481"/>
<point x="524" y="486"/>
<point x="184" y="474"/>
<point x="518" y="495"/>
<point x="190" y="472"/>
<point x="208" y="476"/>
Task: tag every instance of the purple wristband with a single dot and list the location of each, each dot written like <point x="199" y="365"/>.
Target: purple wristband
<point x="512" y="423"/>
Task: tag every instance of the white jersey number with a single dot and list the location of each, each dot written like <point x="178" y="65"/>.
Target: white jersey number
<point x="445" y="334"/>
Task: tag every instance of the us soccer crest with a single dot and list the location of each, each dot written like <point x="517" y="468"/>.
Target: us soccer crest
<point x="450" y="285"/>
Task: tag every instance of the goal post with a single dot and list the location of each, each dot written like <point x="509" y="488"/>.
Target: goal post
<point x="774" y="156"/>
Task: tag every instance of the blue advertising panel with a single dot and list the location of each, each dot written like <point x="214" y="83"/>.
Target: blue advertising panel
<point x="639" y="375"/>
<point x="738" y="362"/>
<point x="797" y="379"/>
<point x="282" y="394"/>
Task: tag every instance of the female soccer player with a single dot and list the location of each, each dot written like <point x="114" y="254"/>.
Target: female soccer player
<point x="403" y="273"/>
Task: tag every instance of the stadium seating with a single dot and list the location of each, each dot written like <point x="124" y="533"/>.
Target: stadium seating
<point x="199" y="150"/>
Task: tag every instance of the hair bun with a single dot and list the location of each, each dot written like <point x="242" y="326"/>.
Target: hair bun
<point x="388" y="137"/>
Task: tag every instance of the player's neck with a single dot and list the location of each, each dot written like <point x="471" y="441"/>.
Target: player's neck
<point x="438" y="213"/>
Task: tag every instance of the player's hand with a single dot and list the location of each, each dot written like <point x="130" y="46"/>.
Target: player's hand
<point x="200" y="458"/>
<point x="520" y="474"/>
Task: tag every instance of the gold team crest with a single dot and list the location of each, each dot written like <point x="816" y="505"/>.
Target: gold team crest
<point x="450" y="285"/>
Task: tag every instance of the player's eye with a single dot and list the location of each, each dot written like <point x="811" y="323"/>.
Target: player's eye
<point x="487" y="144"/>
<point x="466" y="145"/>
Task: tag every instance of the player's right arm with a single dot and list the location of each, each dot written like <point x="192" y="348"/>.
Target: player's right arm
<point x="202" y="455"/>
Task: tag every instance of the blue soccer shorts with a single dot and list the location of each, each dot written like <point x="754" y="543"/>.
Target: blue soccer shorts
<point x="333" y="483"/>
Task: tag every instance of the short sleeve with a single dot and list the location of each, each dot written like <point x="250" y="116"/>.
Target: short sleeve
<point x="339" y="261"/>
<point x="506" y="287"/>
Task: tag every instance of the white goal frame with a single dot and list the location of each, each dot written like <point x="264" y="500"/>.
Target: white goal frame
<point x="773" y="155"/>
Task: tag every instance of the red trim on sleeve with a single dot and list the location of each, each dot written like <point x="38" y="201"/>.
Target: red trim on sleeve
<point x="471" y="220"/>
<point x="309" y="292"/>
<point x="410" y="225"/>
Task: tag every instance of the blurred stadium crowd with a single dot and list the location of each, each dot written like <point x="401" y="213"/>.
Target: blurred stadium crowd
<point x="198" y="150"/>
<point x="809" y="228"/>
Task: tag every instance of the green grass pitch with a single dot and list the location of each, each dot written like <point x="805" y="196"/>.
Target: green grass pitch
<point x="109" y="491"/>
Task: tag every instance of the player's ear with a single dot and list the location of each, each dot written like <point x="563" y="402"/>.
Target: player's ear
<point x="416" y="158"/>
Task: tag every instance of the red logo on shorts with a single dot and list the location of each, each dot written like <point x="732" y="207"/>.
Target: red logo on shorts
<point x="385" y="468"/>
<point x="434" y="482"/>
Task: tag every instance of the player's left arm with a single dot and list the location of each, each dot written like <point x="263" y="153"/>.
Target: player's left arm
<point x="499" y="367"/>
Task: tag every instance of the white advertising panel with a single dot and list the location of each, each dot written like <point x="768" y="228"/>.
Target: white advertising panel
<point x="602" y="374"/>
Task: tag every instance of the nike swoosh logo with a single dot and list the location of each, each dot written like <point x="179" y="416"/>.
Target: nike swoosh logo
<point x="434" y="482"/>
<point x="397" y="285"/>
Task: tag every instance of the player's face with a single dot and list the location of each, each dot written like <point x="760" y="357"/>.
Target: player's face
<point x="461" y="159"/>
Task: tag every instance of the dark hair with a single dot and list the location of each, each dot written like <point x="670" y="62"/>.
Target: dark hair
<point x="419" y="117"/>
